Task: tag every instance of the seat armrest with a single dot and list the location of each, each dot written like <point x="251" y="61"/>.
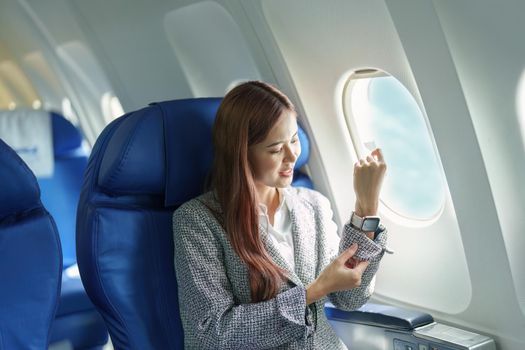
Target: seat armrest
<point x="378" y="315"/>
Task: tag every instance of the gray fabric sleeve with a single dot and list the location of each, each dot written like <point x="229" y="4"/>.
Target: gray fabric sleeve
<point x="372" y="251"/>
<point x="333" y="245"/>
<point x="209" y="313"/>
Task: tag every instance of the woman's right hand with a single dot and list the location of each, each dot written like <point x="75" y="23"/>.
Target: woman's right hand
<point x="344" y="273"/>
<point x="369" y="173"/>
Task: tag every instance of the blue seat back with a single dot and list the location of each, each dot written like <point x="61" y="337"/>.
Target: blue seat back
<point x="142" y="167"/>
<point x="30" y="283"/>
<point x="60" y="193"/>
<point x="300" y="179"/>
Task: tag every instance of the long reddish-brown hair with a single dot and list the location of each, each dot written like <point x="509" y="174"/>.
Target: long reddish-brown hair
<point x="244" y="118"/>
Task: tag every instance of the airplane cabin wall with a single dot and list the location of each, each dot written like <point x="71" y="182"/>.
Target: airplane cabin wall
<point x="363" y="35"/>
<point x="127" y="41"/>
<point x="490" y="62"/>
<point x="27" y="48"/>
<point x="133" y="39"/>
<point x="432" y="62"/>
<point x="15" y="87"/>
<point x="52" y="50"/>
<point x="455" y="63"/>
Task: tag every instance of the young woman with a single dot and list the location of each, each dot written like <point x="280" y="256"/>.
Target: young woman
<point x="257" y="259"/>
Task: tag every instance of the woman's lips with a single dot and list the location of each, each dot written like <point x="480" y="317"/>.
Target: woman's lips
<point x="286" y="173"/>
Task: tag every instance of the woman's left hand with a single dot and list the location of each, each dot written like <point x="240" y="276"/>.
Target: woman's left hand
<point x="368" y="178"/>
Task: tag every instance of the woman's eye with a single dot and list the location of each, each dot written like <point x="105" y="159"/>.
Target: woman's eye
<point x="295" y="139"/>
<point x="275" y="151"/>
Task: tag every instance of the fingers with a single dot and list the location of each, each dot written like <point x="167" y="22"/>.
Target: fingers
<point x="361" y="266"/>
<point x="351" y="263"/>
<point x="376" y="156"/>
<point x="347" y="254"/>
<point x="379" y="154"/>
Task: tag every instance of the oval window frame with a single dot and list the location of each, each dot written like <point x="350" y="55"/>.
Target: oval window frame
<point x="360" y="150"/>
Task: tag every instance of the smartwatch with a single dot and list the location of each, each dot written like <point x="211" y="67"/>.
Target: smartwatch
<point x="366" y="224"/>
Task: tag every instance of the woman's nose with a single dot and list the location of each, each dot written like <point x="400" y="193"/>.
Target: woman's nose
<point x="291" y="155"/>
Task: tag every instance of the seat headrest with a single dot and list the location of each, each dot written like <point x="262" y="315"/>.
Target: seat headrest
<point x="66" y="137"/>
<point x="20" y="189"/>
<point x="165" y="150"/>
<point x="305" y="149"/>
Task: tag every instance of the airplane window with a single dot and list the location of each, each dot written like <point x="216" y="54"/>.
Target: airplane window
<point x="5" y="96"/>
<point x="37" y="104"/>
<point x="381" y="112"/>
<point x="416" y="204"/>
<point x="210" y="48"/>
<point x="19" y="86"/>
<point x="520" y="104"/>
<point x="89" y="80"/>
<point x="69" y="112"/>
<point x="111" y="107"/>
<point x="45" y="80"/>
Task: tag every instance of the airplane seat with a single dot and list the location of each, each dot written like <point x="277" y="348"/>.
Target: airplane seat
<point x="30" y="258"/>
<point x="142" y="167"/>
<point x="77" y="322"/>
<point x="300" y="179"/>
<point x="60" y="192"/>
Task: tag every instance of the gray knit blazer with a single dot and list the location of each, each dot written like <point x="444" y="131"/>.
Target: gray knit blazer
<point x="214" y="290"/>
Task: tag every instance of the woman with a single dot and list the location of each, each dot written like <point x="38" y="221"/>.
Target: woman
<point x="256" y="259"/>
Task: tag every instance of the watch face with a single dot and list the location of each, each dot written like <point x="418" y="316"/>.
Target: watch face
<point x="370" y="224"/>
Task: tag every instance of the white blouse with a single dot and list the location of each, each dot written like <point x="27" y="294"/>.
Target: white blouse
<point x="281" y="231"/>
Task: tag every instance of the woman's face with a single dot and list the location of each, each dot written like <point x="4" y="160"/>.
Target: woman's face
<point x="274" y="158"/>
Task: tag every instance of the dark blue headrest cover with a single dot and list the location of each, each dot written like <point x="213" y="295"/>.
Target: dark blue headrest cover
<point x="66" y="136"/>
<point x="20" y="190"/>
<point x="170" y="143"/>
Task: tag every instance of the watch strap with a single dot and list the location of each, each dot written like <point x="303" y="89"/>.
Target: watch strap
<point x="359" y="222"/>
<point x="356" y="221"/>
